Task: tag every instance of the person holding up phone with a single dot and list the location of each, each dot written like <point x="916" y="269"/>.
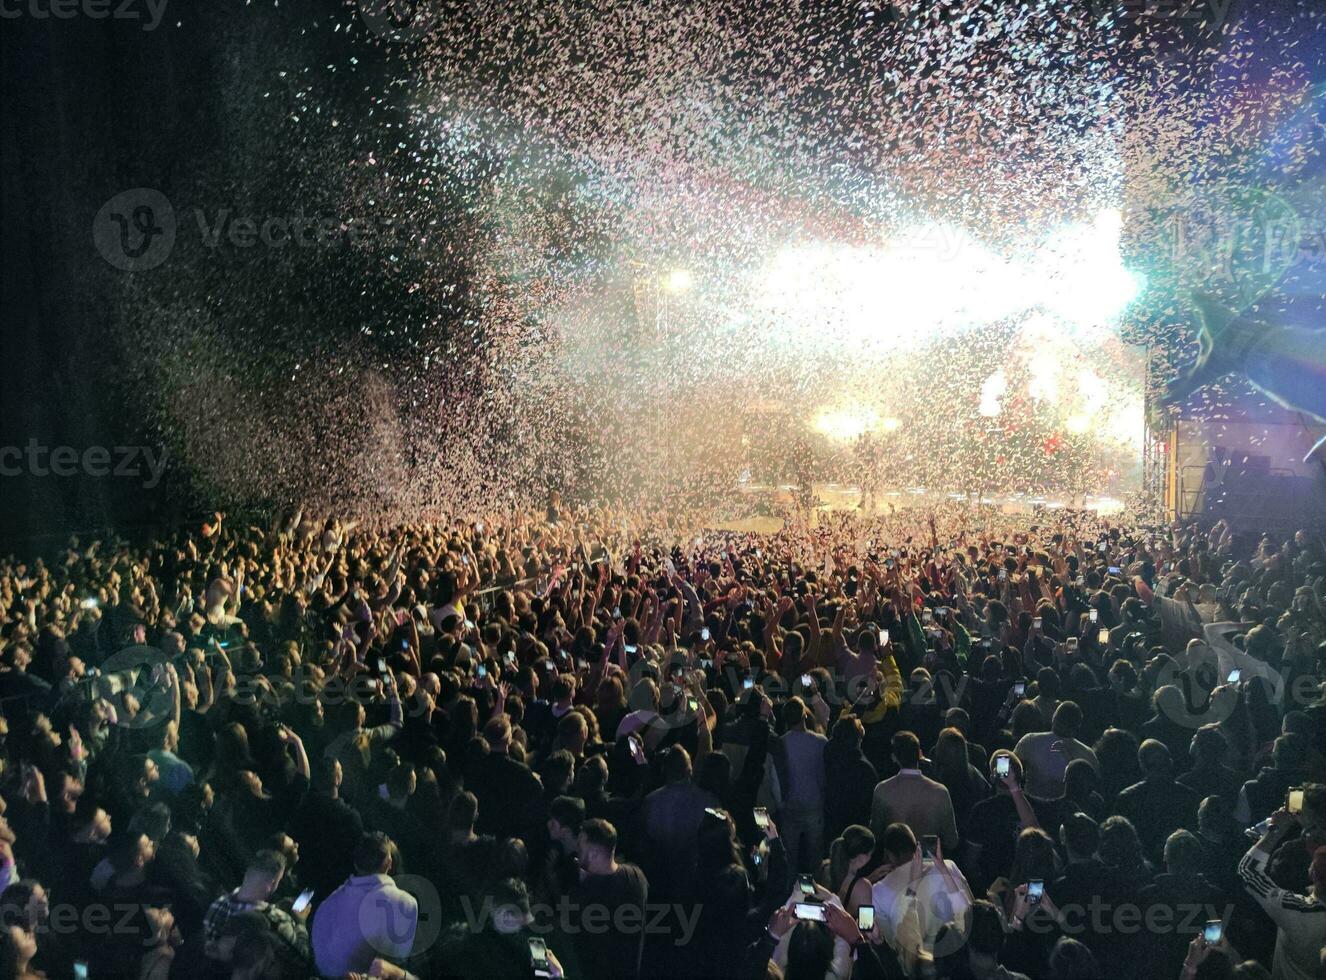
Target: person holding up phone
<point x="1300" y="919"/>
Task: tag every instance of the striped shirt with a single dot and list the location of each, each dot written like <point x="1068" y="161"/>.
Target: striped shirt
<point x="1301" y="920"/>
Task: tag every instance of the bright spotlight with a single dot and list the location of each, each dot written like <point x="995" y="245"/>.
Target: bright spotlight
<point x="1077" y="424"/>
<point x="890" y="424"/>
<point x="844" y="426"/>
<point x="678" y="281"/>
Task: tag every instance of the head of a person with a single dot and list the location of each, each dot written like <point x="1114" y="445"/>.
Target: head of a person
<point x="1183" y="853"/>
<point x="1033" y="857"/>
<point x="497" y="733"/>
<point x="1120" y="847"/>
<point x="565" y="815"/>
<point x="809" y="952"/>
<point x="985" y="942"/>
<point x="1080" y="836"/>
<point x="850" y="853"/>
<point x="1047" y="683"/>
<point x="1067" y="720"/>
<point x="794" y="714"/>
<point x="511" y="906"/>
<point x="263" y="874"/>
<point x="1154" y="760"/>
<point x="677" y="765"/>
<point x="1209" y="747"/>
<point x="464" y="812"/>
<point x="1291" y="751"/>
<point x="848" y="732"/>
<point x="374" y="854"/>
<point x="24" y="903"/>
<point x="906" y="750"/>
<point x="897" y="844"/>
<point x="1072" y="960"/>
<point x="597" y="846"/>
<point x="950" y="755"/>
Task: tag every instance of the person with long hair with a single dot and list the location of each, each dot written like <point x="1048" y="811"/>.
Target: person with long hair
<point x="951" y="765"/>
<point x="846" y="872"/>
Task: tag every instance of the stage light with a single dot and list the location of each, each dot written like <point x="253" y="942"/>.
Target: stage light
<point x="890" y="424"/>
<point x="1077" y="424"/>
<point x="678" y="281"/>
<point x="844" y="426"/>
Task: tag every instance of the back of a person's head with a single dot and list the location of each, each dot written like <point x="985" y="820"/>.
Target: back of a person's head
<point x="677" y="765"/>
<point x="1047" y="682"/>
<point x="1183" y="853"/>
<point x="1154" y="758"/>
<point x="1291" y="751"/>
<point x="1067" y="719"/>
<point x="809" y="952"/>
<point x="1119" y="844"/>
<point x="1081" y="835"/>
<point x="265" y="865"/>
<point x="987" y="929"/>
<point x="906" y="749"/>
<point x="599" y="833"/>
<point x="1209" y="745"/>
<point x="568" y="811"/>
<point x="372" y="854"/>
<point x="898" y="841"/>
<point x="847" y="731"/>
<point x="1071" y="960"/>
<point x="464" y="810"/>
<point x="793" y="713"/>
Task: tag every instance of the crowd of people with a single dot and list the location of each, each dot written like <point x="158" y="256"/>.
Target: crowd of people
<point x="608" y="744"/>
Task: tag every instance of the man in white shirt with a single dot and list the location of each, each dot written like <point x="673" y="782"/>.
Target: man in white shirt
<point x="367" y="917"/>
<point x="1045" y="755"/>
<point x="917" y="897"/>
<point x="1301" y="919"/>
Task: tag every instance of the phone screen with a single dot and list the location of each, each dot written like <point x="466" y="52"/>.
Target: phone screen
<point x="1295" y="804"/>
<point x="1234" y="676"/>
<point x="1019" y="689"/>
<point x="538" y="956"/>
<point x="1035" y="890"/>
<point x="1103" y="637"/>
<point x="1213" y="932"/>
<point x="301" y="903"/>
<point x="865" y="918"/>
<point x="382" y="666"/>
<point x="883" y="638"/>
<point x="704" y="634"/>
<point x="1093" y="615"/>
<point x="1001" y="766"/>
<point x="481" y="670"/>
<point x="809" y="912"/>
<point x="929" y="844"/>
<point x="748" y="683"/>
<point x="807" y="885"/>
<point x="761" y="818"/>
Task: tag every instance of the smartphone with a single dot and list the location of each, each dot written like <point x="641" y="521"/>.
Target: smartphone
<point x="809" y="912"/>
<point x="80" y="969"/>
<point x="929" y="845"/>
<point x="382" y="666"/>
<point x="1214" y="932"/>
<point x="807" y="885"/>
<point x="511" y="656"/>
<point x="865" y="918"/>
<point x="1295" y="802"/>
<point x="1115" y="570"/>
<point x="301" y="903"/>
<point x="927" y="616"/>
<point x="1019" y="689"/>
<point x="481" y="671"/>
<point x="693" y="705"/>
<point x="1071" y="644"/>
<point x="616" y="612"/>
<point x="1103" y="637"/>
<point x="704" y="634"/>
<point x="883" y="638"/>
<point x="1036" y="623"/>
<point x="88" y="604"/>
<point x="538" y="957"/>
<point x="807" y="680"/>
<point x="1003" y="574"/>
<point x="629" y="648"/>
<point x="1001" y="766"/>
<point x="1094" y="614"/>
<point x="748" y="683"/>
<point x="637" y="753"/>
<point x="1234" y="677"/>
<point x="1035" y="891"/>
